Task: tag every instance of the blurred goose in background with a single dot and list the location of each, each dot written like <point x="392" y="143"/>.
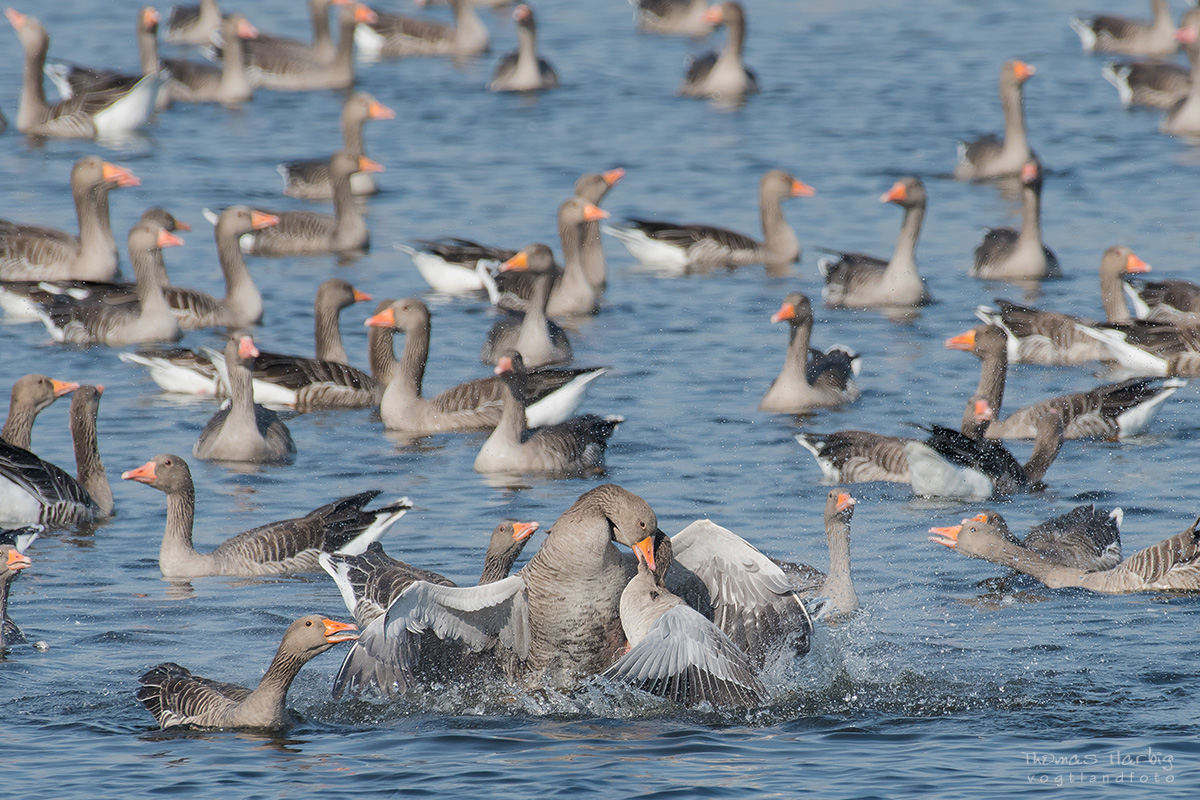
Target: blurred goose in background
<point x="275" y="56"/>
<point x="1019" y="255"/>
<point x="722" y="76"/>
<point x="858" y="456"/>
<point x="285" y="65"/>
<point x="310" y="179"/>
<point x="524" y="70"/>
<point x="992" y="157"/>
<point x="13" y="544"/>
<point x="194" y="24"/>
<point x="71" y="79"/>
<point x="810" y="378"/>
<point x="1156" y="84"/>
<point x="539" y="340"/>
<point x="1106" y="33"/>
<point x="1084" y="538"/>
<point x="396" y="36"/>
<point x="1172" y="301"/>
<point x="673" y="17"/>
<point x="229" y="83"/>
<point x="1183" y="119"/>
<point x="31" y="395"/>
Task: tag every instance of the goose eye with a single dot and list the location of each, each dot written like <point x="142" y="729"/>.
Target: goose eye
<point x="308" y="623"/>
<point x="642" y="525"/>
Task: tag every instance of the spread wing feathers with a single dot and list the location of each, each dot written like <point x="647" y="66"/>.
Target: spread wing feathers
<point x="689" y="660"/>
<point x="463" y="251"/>
<point x="748" y="596"/>
<point x="1084" y="537"/>
<point x="1179" y="554"/>
<point x="360" y="671"/>
<point x="62" y="498"/>
<point x="988" y="456"/>
<point x="174" y="696"/>
<point x="687" y="235"/>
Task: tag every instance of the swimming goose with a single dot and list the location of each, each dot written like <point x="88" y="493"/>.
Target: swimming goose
<point x="310" y="179"/>
<point x="110" y="111"/>
<point x="722" y="76"/>
<point x="1169" y="566"/>
<point x="370" y="582"/>
<point x="684" y="247"/>
<point x="72" y="79"/>
<point x="674" y="650"/>
<point x="29" y="252"/>
<point x="1084" y="538"/>
<point x="194" y="24"/>
<point x="1183" y="119"/>
<point x="310" y="233"/>
<point x="229" y="83"/>
<point x="1106" y="33"/>
<point x="1012" y="255"/>
<point x="274" y="56"/>
<point x="1048" y="337"/>
<point x="284" y="65"/>
<point x="277" y="548"/>
<point x="1112" y="411"/>
<point x="244" y="431"/>
<point x="553" y="394"/>
<point x="858" y="456"/>
<point x="396" y="36"/>
<point x="967" y="466"/>
<point x="1172" y="301"/>
<point x="574" y="447"/>
<point x="673" y="17"/>
<point x="836" y="587"/>
<point x="36" y="491"/>
<point x="13" y="544"/>
<point x="856" y="280"/>
<point x="539" y="340"/>
<point x="810" y="378"/>
<point x="31" y="394"/>
<point x="523" y="70"/>
<point x="990" y="157"/>
<point x="1155" y="84"/>
<point x="593" y="187"/>
<point x="175" y="697"/>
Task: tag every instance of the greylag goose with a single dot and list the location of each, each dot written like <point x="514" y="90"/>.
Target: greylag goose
<point x="722" y="76"/>
<point x="967" y="466"/>
<point x="810" y="378"/>
<point x="1183" y="119"/>
<point x="396" y="36"/>
<point x="1106" y="33"/>
<point x="1084" y="538"/>
<point x="523" y="70"/>
<point x="310" y="179"/>
<point x="675" y="651"/>
<point x="539" y="340"/>
<point x="36" y="491"/>
<point x="990" y="157"/>
<point x="13" y="544"/>
<point x="1112" y="411"/>
<point x="72" y="80"/>
<point x="1172" y="301"/>
<point x="574" y="447"/>
<point x="1012" y="255"/>
<point x="277" y="548"/>
<point x="673" y="17"/>
<point x="310" y="233"/>
<point x="836" y="587"/>
<point x="856" y="280"/>
<point x="1169" y="566"/>
<point x="1145" y="347"/>
<point x="175" y="697"/>
<point x="858" y="456"/>
<point x="370" y="582"/>
<point x="29" y="252"/>
<point x="593" y="187"/>
<point x="284" y="65"/>
<point x="244" y="430"/>
<point x="1155" y="84"/>
<point x="683" y="247"/>
<point x="553" y="394"/>
<point x="229" y="83"/>
<point x="109" y="111"/>
<point x="1048" y="337"/>
<point x="194" y="24"/>
<point x="93" y="321"/>
<point x="31" y="394"/>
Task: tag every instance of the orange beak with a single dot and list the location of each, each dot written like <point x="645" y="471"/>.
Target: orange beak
<point x="168" y="239"/>
<point x="1023" y="71"/>
<point x="384" y="319"/>
<point x="613" y="175"/>
<point x="149" y="17"/>
<point x="365" y="15"/>
<point x="644" y="550"/>
<point x="63" y="387"/>
<point x="946" y="536"/>
<point x="246" y="348"/>
<point x="378" y="110"/>
<point x="17" y="561"/>
<point x="339" y="631"/>
<point x="844" y="501"/>
<point x="1183" y="35"/>
<point x="713" y="15"/>
<point x="503" y="365"/>
<point x="121" y="176"/>
<point x="522" y="12"/>
<point x="895" y="194"/>
<point x="983" y="411"/>
<point x="1029" y="172"/>
<point x="523" y="530"/>
<point x="143" y="474"/>
<point x="521" y="260"/>
<point x="361" y="297"/>
<point x="786" y="311"/>
<point x="593" y="213"/>
<point x="367" y="165"/>
<point x="802" y="189"/>
<point x="964" y="341"/>
<point x="1135" y="264"/>
<point x="246" y="31"/>
<point x="15" y="18"/>
<point x="980" y="517"/>
<point x="260" y="220"/>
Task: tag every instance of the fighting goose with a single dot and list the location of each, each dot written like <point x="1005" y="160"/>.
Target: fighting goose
<point x="94" y="321"/>
<point x="524" y="70"/>
<point x="1084" y="538"/>
<point x="990" y="157"/>
<point x="311" y="180"/>
<point x="553" y="394"/>
<point x="194" y="24"/>
<point x="277" y="548"/>
<point x="574" y="447"/>
<point x="1048" y="337"/>
<point x="835" y="587"/>
<point x="540" y="341"/>
<point x="722" y="76"/>
<point x="310" y="233"/>
<point x="1172" y="565"/>
<point x="1012" y="255"/>
<point x="397" y="36"/>
<point x="109" y="111"/>
<point x="856" y="280"/>
<point x="810" y="378"/>
<point x="29" y="252"/>
<point x="31" y="394"/>
<point x="176" y="697"/>
<point x="684" y="247"/>
<point x="967" y="466"/>
<point x="1112" y="411"/>
<point x="673" y="17"/>
<point x="1183" y="119"/>
<point x="243" y="430"/>
<point x="13" y="544"/>
<point x="1106" y="33"/>
<point x="278" y="64"/>
<point x="370" y="582"/>
<point x="36" y="491"/>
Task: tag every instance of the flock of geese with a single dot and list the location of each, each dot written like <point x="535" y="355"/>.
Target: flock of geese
<point x="693" y="617"/>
